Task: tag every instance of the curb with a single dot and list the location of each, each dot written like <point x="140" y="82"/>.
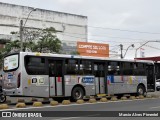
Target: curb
<point x="123" y="98"/>
<point x="92" y="100"/>
<point x="103" y="100"/>
<point x="66" y="102"/>
<point x="80" y="101"/>
<point x="4" y="106"/>
<point x="37" y="104"/>
<point x="53" y="103"/>
<point x="114" y="98"/>
<point x="20" y="105"/>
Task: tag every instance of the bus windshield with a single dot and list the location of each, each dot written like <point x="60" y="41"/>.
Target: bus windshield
<point x="11" y="62"/>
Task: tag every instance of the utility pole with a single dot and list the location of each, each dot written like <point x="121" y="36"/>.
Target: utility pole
<point x="21" y="34"/>
<point x="121" y="48"/>
<point x="21" y="28"/>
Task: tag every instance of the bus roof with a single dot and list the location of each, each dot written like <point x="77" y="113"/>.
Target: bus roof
<point x="82" y="57"/>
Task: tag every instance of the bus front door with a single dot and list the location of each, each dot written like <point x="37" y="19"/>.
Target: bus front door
<point x="55" y="77"/>
<point x="99" y="73"/>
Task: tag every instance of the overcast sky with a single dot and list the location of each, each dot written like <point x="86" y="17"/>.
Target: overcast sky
<point x="120" y="19"/>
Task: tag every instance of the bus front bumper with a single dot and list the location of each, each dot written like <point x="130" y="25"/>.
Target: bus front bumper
<point x="9" y="92"/>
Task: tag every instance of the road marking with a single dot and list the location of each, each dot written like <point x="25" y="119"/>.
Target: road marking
<point x="155" y="107"/>
<point x="77" y="117"/>
<point x="75" y="104"/>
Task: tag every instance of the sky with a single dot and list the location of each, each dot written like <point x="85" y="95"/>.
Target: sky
<point x="113" y="22"/>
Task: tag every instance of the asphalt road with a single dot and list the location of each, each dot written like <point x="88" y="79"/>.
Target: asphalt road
<point x="89" y="111"/>
<point x="96" y="111"/>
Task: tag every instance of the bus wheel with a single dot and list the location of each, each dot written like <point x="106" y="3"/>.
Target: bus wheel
<point x="141" y="90"/>
<point x="77" y="93"/>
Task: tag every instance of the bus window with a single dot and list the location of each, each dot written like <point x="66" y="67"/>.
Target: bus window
<point x="139" y="69"/>
<point x="71" y="67"/>
<point x="127" y="68"/>
<point x="96" y="70"/>
<point x="35" y="65"/>
<point x="51" y="69"/>
<point x="59" y="66"/>
<point x="85" y="67"/>
<point x="99" y="69"/>
<point x="113" y="68"/>
<point x="157" y="69"/>
<point x="11" y="62"/>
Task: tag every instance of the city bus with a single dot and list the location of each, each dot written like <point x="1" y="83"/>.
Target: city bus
<point x="55" y="75"/>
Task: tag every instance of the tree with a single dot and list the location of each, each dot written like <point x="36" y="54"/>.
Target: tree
<point x="75" y="53"/>
<point x="44" y="40"/>
<point x="48" y="41"/>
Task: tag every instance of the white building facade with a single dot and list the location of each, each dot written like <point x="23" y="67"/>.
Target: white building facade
<point x="71" y="27"/>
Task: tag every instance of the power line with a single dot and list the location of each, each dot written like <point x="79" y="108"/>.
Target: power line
<point x="152" y="47"/>
<point x="97" y="39"/>
<point x="66" y="34"/>
<point x="103" y="36"/>
<point x="123" y="30"/>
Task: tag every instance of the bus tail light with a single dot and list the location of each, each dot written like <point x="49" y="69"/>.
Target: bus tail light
<point x="19" y="80"/>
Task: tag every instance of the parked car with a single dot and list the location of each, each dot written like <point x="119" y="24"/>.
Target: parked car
<point x="158" y="84"/>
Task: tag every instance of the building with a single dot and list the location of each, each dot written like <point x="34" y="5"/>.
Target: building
<point x="71" y="28"/>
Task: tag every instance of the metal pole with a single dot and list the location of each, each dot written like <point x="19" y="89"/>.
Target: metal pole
<point x="29" y="15"/>
<point x="143" y="45"/>
<point x="127" y="50"/>
<point x="121" y="47"/>
<point x="22" y="28"/>
<point x="21" y="34"/>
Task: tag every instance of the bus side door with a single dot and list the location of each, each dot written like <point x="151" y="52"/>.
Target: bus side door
<point x="56" y="77"/>
<point x="99" y="73"/>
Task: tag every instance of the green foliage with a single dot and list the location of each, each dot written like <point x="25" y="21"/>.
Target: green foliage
<point x="75" y="53"/>
<point x="12" y="45"/>
<point x="48" y="41"/>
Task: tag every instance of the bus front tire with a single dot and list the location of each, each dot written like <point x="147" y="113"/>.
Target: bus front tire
<point x="141" y="90"/>
<point x="2" y="98"/>
<point x="77" y="93"/>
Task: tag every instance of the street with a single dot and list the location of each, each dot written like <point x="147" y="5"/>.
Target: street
<point x="128" y="105"/>
<point x="96" y="110"/>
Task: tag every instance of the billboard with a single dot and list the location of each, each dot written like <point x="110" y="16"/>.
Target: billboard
<point x="93" y="49"/>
